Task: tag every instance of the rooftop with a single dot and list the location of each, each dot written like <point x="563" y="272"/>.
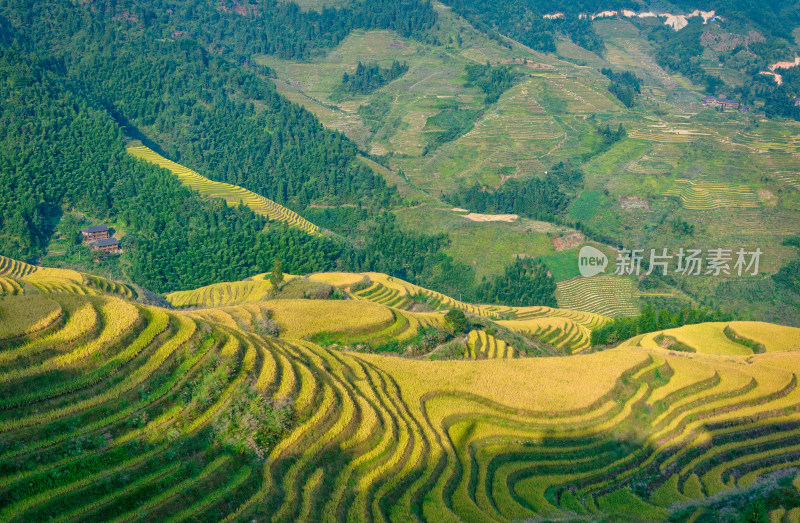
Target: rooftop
<point x="95" y="228"/>
<point x="107" y="242"/>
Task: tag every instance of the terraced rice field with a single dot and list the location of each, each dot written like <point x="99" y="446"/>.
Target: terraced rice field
<point x="15" y="268"/>
<point x="661" y="135"/>
<point x="508" y="139"/>
<point x="481" y="345"/>
<point x="15" y="276"/>
<point x="658" y="160"/>
<point x="701" y="196"/>
<point x="232" y="194"/>
<point x="605" y="295"/>
<point x="400" y="327"/>
<point x="160" y="407"/>
<point x="395" y="292"/>
<point x="790" y="178"/>
<point x="563" y="334"/>
<point x="580" y="97"/>
<point x="9" y="286"/>
<point x="111" y="287"/>
<point x="389" y="296"/>
<point x="221" y="294"/>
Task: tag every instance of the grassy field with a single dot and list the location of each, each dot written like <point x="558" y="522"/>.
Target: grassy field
<point x="500" y="242"/>
<point x="193" y="415"/>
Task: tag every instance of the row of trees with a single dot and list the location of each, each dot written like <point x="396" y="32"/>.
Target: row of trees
<point x="624" y="85"/>
<point x="538" y="198"/>
<point x="493" y="81"/>
<point x="370" y="77"/>
<point x="524" y="282"/>
<point x="652" y="320"/>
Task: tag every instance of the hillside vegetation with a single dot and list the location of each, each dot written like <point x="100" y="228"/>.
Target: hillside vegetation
<point x="196" y="415"/>
<point x="230" y="193"/>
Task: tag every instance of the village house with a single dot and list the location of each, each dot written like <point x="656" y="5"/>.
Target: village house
<point x="723" y="103"/>
<point x="106" y="245"/>
<point x="94" y="233"/>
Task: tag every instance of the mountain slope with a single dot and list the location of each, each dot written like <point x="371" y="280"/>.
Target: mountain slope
<point x="194" y="415"/>
<point x="230" y="193"/>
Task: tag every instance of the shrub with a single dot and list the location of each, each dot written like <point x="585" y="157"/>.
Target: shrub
<point x="456" y="320"/>
<point x="361" y="285"/>
<point x="268" y="327"/>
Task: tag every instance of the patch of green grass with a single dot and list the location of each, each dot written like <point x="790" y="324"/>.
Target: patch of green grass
<point x="624" y="503"/>
<point x="585" y="207"/>
<point x="563" y="265"/>
<point x="450" y="123"/>
<point x="488" y="247"/>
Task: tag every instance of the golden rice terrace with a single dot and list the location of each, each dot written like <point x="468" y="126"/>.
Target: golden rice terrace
<point x="114" y="410"/>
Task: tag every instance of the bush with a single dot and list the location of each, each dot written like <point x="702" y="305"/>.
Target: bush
<point x="456" y="321"/>
<point x="361" y="285"/>
<point x="268" y="327"/>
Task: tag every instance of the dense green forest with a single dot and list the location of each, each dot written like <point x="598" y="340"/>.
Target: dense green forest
<point x="58" y="150"/>
<point x="524" y="282"/>
<point x="652" y="320"/>
<point x="681" y="51"/>
<point x="781" y="100"/>
<point x="522" y="20"/>
<point x="236" y="30"/>
<point x="625" y="85"/>
<point x="538" y="198"/>
<point x="207" y="113"/>
<point x="493" y="81"/>
<point x="370" y="77"/>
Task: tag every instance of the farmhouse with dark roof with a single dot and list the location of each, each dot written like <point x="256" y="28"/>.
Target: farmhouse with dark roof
<point x="94" y="233"/>
<point x="106" y="245"/>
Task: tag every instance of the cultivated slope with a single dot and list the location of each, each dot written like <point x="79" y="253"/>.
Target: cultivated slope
<point x="112" y="410"/>
<point x="233" y="194"/>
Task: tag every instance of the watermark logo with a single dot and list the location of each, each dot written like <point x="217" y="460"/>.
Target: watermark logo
<point x="591" y="261"/>
<point x="685" y="262"/>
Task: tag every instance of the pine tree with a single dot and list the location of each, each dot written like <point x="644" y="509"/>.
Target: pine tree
<point x="277" y="274"/>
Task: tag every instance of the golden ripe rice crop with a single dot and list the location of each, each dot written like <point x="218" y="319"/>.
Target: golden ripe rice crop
<point x="231" y="193"/>
<point x="221" y="294"/>
<point x="167" y="420"/>
<point x="22" y="315"/>
<point x="301" y="318"/>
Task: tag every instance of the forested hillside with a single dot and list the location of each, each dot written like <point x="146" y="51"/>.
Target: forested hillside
<point x="99" y="76"/>
<point x="523" y="20"/>
<point x="58" y="149"/>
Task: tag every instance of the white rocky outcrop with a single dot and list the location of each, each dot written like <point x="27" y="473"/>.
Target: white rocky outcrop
<point x="677" y="22"/>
